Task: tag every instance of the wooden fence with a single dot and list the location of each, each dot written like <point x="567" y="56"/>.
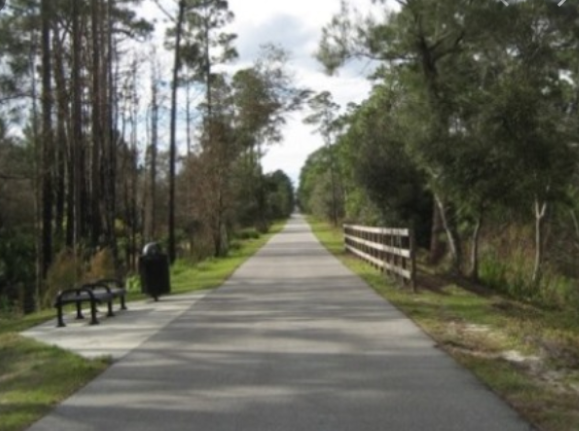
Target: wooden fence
<point x="390" y="250"/>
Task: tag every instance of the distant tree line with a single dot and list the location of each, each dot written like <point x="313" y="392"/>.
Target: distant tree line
<point x="84" y="160"/>
<point x="470" y="136"/>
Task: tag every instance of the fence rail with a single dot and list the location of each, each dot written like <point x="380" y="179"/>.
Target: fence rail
<point x="389" y="249"/>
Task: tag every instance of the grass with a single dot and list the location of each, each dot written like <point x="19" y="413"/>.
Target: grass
<point x="526" y="354"/>
<point x="35" y="377"/>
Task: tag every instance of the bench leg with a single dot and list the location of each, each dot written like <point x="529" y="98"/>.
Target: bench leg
<point x="123" y="305"/>
<point x="110" y="308"/>
<point x="79" y="315"/>
<point x="59" y="319"/>
<point x="93" y="313"/>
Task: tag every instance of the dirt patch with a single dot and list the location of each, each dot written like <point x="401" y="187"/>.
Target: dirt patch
<point x="437" y="282"/>
<point x="466" y="339"/>
<point x="555" y="363"/>
<point x="431" y="282"/>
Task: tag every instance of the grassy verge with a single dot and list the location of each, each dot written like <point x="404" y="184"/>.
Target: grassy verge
<point x="526" y="354"/>
<point x="35" y="377"/>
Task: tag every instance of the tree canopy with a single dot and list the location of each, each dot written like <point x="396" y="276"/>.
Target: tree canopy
<point x="81" y="134"/>
<point x="472" y="122"/>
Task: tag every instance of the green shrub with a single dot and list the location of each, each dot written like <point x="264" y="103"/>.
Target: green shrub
<point x="205" y="265"/>
<point x="17" y="269"/>
<point x="180" y="266"/>
<point x="493" y="273"/>
<point x="510" y="277"/>
<point x="247" y="233"/>
<point x="560" y="291"/>
<point x="133" y="283"/>
<point x="235" y="245"/>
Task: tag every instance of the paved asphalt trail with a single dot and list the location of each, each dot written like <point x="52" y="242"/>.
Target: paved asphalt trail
<point x="293" y="341"/>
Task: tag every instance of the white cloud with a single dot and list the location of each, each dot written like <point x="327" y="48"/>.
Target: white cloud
<point x="313" y="14"/>
<point x="297" y="26"/>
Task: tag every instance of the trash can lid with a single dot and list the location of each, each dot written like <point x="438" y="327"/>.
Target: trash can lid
<point x="151" y="248"/>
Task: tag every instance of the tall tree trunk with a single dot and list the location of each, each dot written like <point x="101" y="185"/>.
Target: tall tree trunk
<point x="436" y="245"/>
<point x="70" y="154"/>
<point x="453" y="237"/>
<point x="61" y="137"/>
<point x="151" y="214"/>
<point x="333" y="182"/>
<point x="77" y="135"/>
<point x="29" y="293"/>
<point x="474" y="260"/>
<point x="576" y="228"/>
<point x="60" y="182"/>
<point x="173" y="143"/>
<point x="110" y="109"/>
<point x="47" y="139"/>
<point x="189" y="198"/>
<point x="540" y="217"/>
<point x="97" y="130"/>
<point x="207" y="68"/>
<point x="429" y="64"/>
<point x="134" y="153"/>
<point x="70" y="193"/>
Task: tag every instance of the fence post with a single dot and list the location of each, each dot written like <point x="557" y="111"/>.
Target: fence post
<point x="384" y="254"/>
<point x="412" y="260"/>
<point x="399" y="259"/>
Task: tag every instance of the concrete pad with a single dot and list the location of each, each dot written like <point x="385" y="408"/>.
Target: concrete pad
<point x="114" y="336"/>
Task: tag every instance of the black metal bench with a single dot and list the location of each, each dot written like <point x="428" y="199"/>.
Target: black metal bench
<point x="93" y="293"/>
<point x="117" y="289"/>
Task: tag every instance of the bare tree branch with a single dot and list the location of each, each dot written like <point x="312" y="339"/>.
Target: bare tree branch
<point x="162" y="9"/>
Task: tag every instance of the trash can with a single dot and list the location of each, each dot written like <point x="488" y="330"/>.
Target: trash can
<point x="154" y="271"/>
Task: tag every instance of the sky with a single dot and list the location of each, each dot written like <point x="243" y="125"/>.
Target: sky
<point x="295" y="25"/>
